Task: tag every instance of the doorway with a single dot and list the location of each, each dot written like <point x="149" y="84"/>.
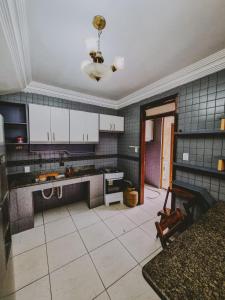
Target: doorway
<point x="158" y="122"/>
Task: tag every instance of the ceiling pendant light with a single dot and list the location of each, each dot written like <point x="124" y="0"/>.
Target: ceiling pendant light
<point x="96" y="69"/>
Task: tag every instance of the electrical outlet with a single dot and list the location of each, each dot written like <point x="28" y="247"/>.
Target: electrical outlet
<point x="27" y="169"/>
<point x="185" y="156"/>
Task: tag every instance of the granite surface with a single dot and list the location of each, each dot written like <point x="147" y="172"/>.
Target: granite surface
<point x="193" y="266"/>
<point x="24" y="180"/>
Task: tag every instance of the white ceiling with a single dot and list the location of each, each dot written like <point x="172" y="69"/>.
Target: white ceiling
<point x="156" y="38"/>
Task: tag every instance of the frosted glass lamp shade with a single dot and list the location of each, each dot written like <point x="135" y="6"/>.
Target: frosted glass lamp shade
<point x="119" y="62"/>
<point x="91" y="44"/>
<point x="97" y="71"/>
<point x="84" y="63"/>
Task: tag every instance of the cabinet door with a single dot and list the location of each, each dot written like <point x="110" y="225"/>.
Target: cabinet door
<point x="91" y="131"/>
<point x="106" y="123"/>
<point x="77" y="128"/>
<point x="59" y="125"/>
<point x="39" y="121"/>
<point x="118" y="123"/>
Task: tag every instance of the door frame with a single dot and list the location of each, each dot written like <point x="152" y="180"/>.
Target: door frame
<point x="143" y="108"/>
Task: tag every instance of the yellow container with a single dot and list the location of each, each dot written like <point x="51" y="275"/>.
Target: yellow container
<point x="222" y="124"/>
<point x="221" y="165"/>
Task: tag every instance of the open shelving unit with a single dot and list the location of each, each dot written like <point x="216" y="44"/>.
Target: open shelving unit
<point x="199" y="170"/>
<point x="199" y="133"/>
<point x="15" y="122"/>
<point x="203" y="133"/>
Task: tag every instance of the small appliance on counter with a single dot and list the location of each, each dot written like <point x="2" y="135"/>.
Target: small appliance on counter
<point x="49" y="176"/>
<point x="113" y="186"/>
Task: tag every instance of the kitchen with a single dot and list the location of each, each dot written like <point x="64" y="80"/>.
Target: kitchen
<point x="78" y="217"/>
<point x="70" y="137"/>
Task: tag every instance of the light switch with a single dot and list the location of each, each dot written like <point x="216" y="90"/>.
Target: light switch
<point x="185" y="156"/>
<point x="27" y="169"/>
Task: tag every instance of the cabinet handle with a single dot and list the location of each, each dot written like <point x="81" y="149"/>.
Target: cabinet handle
<point x="48" y="136"/>
<point x="83" y="136"/>
<point x="114" y="127"/>
<point x="87" y="136"/>
<point x="54" y="136"/>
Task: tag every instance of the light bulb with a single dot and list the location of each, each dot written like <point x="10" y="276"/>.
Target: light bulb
<point x="91" y="44"/>
<point x="119" y="62"/>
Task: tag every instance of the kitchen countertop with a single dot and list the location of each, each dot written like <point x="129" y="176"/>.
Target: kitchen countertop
<point x="193" y="266"/>
<point x="25" y="180"/>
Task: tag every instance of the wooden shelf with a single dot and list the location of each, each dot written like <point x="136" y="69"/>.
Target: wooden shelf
<point x="14" y="124"/>
<point x="199" y="133"/>
<point x="200" y="170"/>
<point x="16" y="144"/>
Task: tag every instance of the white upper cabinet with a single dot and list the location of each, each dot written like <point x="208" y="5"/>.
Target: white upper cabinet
<point x="91" y="127"/>
<point x="59" y="125"/>
<point x="76" y="126"/>
<point x="48" y="124"/>
<point x="39" y="120"/>
<point x="111" y="123"/>
<point x="84" y="127"/>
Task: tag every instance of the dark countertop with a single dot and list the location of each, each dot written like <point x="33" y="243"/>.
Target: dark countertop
<point x="24" y="180"/>
<point x="193" y="266"/>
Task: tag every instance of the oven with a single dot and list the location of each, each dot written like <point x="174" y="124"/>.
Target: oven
<point x="113" y="187"/>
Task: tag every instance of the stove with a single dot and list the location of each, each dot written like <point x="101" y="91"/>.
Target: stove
<point x="113" y="186"/>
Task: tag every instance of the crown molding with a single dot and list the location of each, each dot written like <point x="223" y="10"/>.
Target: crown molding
<point x="14" y="25"/>
<point x="204" y="67"/>
<point x="53" y="91"/>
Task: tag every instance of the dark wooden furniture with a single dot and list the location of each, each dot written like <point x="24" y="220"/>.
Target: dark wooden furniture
<point x="172" y="220"/>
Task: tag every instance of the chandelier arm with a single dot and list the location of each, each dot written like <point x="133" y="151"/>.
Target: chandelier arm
<point x="99" y="37"/>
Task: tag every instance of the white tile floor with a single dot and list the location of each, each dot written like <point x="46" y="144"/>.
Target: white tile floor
<point x="77" y="253"/>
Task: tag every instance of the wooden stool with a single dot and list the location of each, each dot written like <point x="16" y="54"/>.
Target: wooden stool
<point x="169" y="225"/>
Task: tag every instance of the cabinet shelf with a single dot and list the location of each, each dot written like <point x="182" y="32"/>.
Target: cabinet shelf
<point x="199" y="133"/>
<point x="14" y="124"/>
<point x="200" y="170"/>
<point x="15" y="121"/>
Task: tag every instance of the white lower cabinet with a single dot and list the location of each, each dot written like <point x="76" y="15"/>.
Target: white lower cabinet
<point x="84" y="127"/>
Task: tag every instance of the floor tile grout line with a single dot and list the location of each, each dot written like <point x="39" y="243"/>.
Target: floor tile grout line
<point x="149" y="256"/>
<point x="121" y="243"/>
<point x="26" y="285"/>
<point x="89" y="255"/>
<point x="68" y="263"/>
<point x="77" y="230"/>
<point x="46" y="249"/>
<point x="88" y="252"/>
<point x="113" y="283"/>
<point x="18" y="254"/>
<point x="101" y="219"/>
